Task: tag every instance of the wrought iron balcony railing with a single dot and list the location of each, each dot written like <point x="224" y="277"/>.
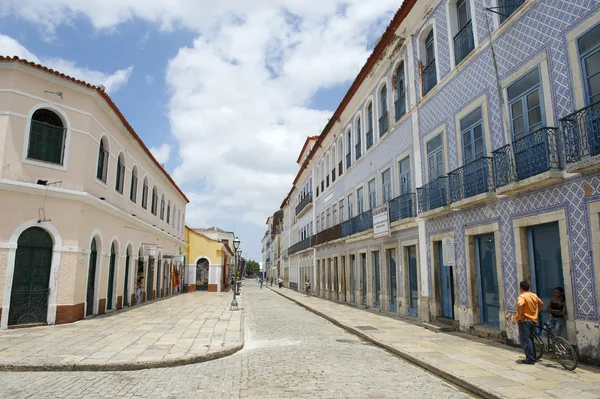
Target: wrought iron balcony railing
<point x="308" y="199"/>
<point x="581" y="133"/>
<point x="400" y="105"/>
<point x="357" y="224"/>
<point x="330" y="234"/>
<point x="474" y="178"/>
<point x="348" y="160"/>
<point x="340" y="168"/>
<point x="301" y="245"/>
<point x="383" y="124"/>
<point x="434" y="194"/>
<point x="402" y="207"/>
<point x="507" y="7"/>
<point x="529" y="156"/>
<point x="463" y="43"/>
<point x="369" y="138"/>
<point x="429" y="77"/>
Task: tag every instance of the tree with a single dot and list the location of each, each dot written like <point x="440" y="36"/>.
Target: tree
<point x="252" y="267"/>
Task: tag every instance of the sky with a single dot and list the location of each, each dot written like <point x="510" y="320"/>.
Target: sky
<point x="224" y="93"/>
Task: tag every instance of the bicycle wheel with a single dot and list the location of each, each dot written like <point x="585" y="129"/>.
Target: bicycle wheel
<point x="538" y="345"/>
<point x="565" y="354"/>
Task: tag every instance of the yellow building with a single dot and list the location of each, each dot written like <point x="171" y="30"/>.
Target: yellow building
<point x="210" y="262"/>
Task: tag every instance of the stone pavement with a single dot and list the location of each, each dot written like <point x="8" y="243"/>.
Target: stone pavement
<point x="187" y="328"/>
<point x="484" y="367"/>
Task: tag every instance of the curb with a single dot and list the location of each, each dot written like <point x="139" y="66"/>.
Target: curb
<point x="405" y="355"/>
<point x="131" y="366"/>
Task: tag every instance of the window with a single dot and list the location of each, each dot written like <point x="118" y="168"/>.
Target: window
<point x="120" y="179"/>
<point x="435" y="157"/>
<point x="400" y="104"/>
<point x="428" y="73"/>
<point x="174" y="219"/>
<point x="463" y="40"/>
<point x="589" y="51"/>
<point x="323" y="225"/>
<point x="340" y="151"/>
<point x="348" y="149"/>
<point x="162" y="207"/>
<point x="169" y="212"/>
<point x="404" y="172"/>
<point x="328" y="218"/>
<point x="383" y="117"/>
<point x="145" y="194"/>
<point x="507" y="7"/>
<point x="341" y="208"/>
<point x="335" y="215"/>
<point x="386" y="185"/>
<point x="46" y="137"/>
<point x="350" y="215"/>
<point x="471" y="128"/>
<point x="526" y="109"/>
<point x="318" y="225"/>
<point x="359" y="197"/>
<point x="372" y="195"/>
<point x="358" y="137"/>
<point x="154" y="201"/>
<point x="134" y="182"/>
<point x="369" y="125"/>
<point x="102" y="170"/>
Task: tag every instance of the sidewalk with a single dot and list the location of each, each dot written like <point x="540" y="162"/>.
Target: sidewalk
<point x="184" y="329"/>
<point x="483" y="367"/>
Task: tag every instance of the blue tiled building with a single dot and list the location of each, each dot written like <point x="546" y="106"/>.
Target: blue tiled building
<point x="477" y="124"/>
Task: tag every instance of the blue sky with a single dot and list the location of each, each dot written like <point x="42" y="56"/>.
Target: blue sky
<point x="223" y="93"/>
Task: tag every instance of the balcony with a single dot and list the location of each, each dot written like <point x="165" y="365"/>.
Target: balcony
<point x="463" y="43"/>
<point x="528" y="162"/>
<point x="327" y="235"/>
<point x="301" y="246"/>
<point x="369" y="138"/>
<point x="400" y="105"/>
<point x="332" y="175"/>
<point x="307" y="200"/>
<point x="402" y="207"/>
<point x="433" y="195"/>
<point x="340" y="168"/>
<point x="472" y="183"/>
<point x="581" y="136"/>
<point x="507" y="7"/>
<point x="357" y="224"/>
<point x="357" y="148"/>
<point x="383" y="124"/>
<point x="429" y="77"/>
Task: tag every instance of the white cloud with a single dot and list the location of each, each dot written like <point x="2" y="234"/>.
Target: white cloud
<point x="111" y="81"/>
<point x="161" y="153"/>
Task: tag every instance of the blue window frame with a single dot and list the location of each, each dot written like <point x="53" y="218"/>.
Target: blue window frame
<point x="463" y="14"/>
<point x="358" y="141"/>
<point x="383" y="118"/>
<point x="589" y="52"/>
<point x="525" y="104"/>
<point x="405" y="181"/>
<point x="369" y="125"/>
<point x="400" y="104"/>
<point x="372" y="194"/>
<point x="435" y="157"/>
<point x="429" y="73"/>
<point x="429" y="48"/>
<point x="359" y="199"/>
<point x="473" y="141"/>
<point x="349" y="149"/>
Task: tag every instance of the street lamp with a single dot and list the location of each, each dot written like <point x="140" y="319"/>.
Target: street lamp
<point x="236" y="246"/>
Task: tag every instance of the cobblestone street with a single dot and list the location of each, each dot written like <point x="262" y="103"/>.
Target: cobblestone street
<point x="289" y="352"/>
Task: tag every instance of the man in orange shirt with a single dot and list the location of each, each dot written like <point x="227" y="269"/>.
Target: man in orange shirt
<point x="528" y="307"/>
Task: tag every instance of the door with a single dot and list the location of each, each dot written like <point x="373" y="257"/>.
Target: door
<point x="413" y="284"/>
<point x="343" y="275"/>
<point x="487" y="280"/>
<point x="91" y="280"/>
<point x="336" y="279"/>
<point x="150" y="280"/>
<point x="363" y="266"/>
<point x="126" y="281"/>
<point x="29" y="293"/>
<point x="111" y="277"/>
<point x="545" y="261"/>
<point x="446" y="286"/>
<point x="353" y="277"/>
<point x="391" y="262"/>
<point x="377" y="278"/>
<point x="158" y="277"/>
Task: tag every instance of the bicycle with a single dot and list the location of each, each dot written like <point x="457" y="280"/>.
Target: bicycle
<point x="559" y="347"/>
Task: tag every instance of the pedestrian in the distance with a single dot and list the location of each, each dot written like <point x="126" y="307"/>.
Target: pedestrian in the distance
<point x="528" y="308"/>
<point x="271" y="281"/>
<point x="261" y="282"/>
<point x="307" y="287"/>
<point x="280" y="282"/>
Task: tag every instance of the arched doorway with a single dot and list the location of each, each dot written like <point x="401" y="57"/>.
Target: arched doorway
<point x="202" y="274"/>
<point x="29" y="293"/>
<point x="111" y="277"/>
<point x="91" y="280"/>
<point x="158" y="277"/>
<point x="126" y="288"/>
<point x="140" y="295"/>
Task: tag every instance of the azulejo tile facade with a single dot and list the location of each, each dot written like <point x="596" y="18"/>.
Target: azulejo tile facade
<point x="480" y="191"/>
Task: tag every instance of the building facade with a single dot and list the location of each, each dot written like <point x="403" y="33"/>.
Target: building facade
<point x="91" y="222"/>
<point x="462" y="160"/>
<point x="211" y="261"/>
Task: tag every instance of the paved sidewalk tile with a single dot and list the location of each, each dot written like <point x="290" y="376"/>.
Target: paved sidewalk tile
<point x="488" y="367"/>
<point x="183" y="329"/>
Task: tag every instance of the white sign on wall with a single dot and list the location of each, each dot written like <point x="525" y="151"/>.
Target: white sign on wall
<point x="381" y="221"/>
<point x="448" y="251"/>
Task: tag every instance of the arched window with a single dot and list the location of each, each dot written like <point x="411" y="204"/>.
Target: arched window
<point x="348" y="148"/>
<point x="120" y="178"/>
<point x="358" y="134"/>
<point x="327" y="168"/>
<point x="173" y="219"/>
<point x="428" y="72"/>
<point x="134" y="184"/>
<point x="162" y="207"/>
<point x="400" y="104"/>
<point x="383" y="114"/>
<point x="461" y="29"/>
<point x="178" y="219"/>
<point x="103" y="156"/>
<point x="110" y="303"/>
<point x="333" y="163"/>
<point x="46" y="137"/>
<point x="145" y="193"/>
<point x="169" y="212"/>
<point x="154" y="208"/>
<point x="340" y="151"/>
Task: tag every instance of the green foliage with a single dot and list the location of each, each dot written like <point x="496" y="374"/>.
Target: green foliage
<point x="252" y="267"/>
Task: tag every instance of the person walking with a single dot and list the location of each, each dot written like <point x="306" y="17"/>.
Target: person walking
<point x="307" y="287"/>
<point x="271" y="281"/>
<point x="261" y="282"/>
<point x="528" y="308"/>
<point x="280" y="282"/>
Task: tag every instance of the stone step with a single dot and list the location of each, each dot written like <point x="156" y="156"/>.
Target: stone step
<point x="436" y="326"/>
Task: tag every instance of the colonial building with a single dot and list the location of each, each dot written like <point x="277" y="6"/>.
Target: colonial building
<point x="211" y="261"/>
<point x="463" y="159"/>
<point x="91" y="222"/>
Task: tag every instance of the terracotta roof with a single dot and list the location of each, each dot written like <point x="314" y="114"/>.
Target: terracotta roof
<point x="110" y="102"/>
<point x="308" y="140"/>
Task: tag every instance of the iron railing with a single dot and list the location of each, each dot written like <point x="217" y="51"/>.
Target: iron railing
<point x="507" y="7"/>
<point x="434" y="194"/>
<point x="463" y="43"/>
<point x="348" y="160"/>
<point x="402" y="207"/>
<point x="357" y="148"/>
<point x="340" y="168"/>
<point x="474" y="178"/>
<point x="369" y="138"/>
<point x="429" y="77"/>
<point x="400" y="105"/>
<point x="357" y="224"/>
<point x="308" y="199"/>
<point x="301" y="245"/>
<point x="529" y="156"/>
<point x="383" y="124"/>
<point x="330" y="234"/>
<point x="581" y="133"/>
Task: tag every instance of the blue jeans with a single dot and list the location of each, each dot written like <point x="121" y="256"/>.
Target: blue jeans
<point x="557" y="324"/>
<point x="526" y="328"/>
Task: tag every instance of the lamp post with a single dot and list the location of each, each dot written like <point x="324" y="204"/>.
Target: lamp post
<point x="236" y="246"/>
<point x="239" y="261"/>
